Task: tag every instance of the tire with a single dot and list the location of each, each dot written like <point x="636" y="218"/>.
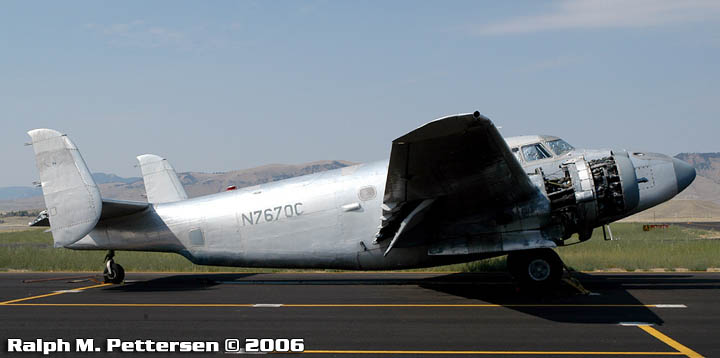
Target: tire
<point x="118" y="275"/>
<point x="538" y="268"/>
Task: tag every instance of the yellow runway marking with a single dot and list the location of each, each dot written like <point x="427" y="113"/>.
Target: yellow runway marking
<point x="317" y="305"/>
<point x="671" y="342"/>
<point x="496" y="352"/>
<point x="487" y="305"/>
<point x="135" y="304"/>
<point x="49" y="294"/>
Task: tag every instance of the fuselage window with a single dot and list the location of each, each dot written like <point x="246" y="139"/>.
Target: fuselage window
<point x="535" y="152"/>
<point x="196" y="237"/>
<point x="516" y="151"/>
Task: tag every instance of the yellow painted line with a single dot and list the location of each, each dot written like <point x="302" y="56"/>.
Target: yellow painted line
<point x="318" y="305"/>
<point x="671" y="342"/>
<point x="135" y="304"/>
<point x="495" y="352"/>
<point x="50" y="294"/>
<point x="488" y="305"/>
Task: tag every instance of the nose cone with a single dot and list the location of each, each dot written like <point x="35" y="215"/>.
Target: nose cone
<point x="684" y="172"/>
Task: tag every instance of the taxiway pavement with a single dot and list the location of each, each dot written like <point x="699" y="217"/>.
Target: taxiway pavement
<point x="376" y="314"/>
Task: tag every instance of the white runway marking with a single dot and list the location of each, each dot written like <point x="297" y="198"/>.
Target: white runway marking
<point x="271" y="305"/>
<point x="670" y="306"/>
<point x="634" y="324"/>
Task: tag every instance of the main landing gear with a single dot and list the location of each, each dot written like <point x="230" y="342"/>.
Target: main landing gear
<point x="113" y="273"/>
<point x="537" y="268"/>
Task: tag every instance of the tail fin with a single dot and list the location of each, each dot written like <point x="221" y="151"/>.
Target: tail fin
<point x="71" y="196"/>
<point x="161" y="183"/>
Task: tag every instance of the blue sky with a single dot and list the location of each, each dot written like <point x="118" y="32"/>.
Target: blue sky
<point x="217" y="86"/>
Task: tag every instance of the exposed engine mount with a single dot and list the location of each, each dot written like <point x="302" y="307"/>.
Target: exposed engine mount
<point x="588" y="195"/>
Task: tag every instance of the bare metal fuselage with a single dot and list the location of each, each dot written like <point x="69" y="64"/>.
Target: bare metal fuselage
<point x="317" y="220"/>
<point x="330" y="220"/>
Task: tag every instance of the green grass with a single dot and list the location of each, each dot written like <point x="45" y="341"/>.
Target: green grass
<point x="32" y="250"/>
<point x="634" y="249"/>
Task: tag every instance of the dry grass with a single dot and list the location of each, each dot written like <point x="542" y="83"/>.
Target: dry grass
<point x="634" y="249"/>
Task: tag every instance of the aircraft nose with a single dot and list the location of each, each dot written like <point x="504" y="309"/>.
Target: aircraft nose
<point x="684" y="172"/>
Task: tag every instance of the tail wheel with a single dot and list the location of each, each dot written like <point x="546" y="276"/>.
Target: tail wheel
<point x="537" y="267"/>
<point x="113" y="273"/>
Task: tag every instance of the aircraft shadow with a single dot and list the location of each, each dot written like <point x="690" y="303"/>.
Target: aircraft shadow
<point x="185" y="282"/>
<point x="611" y="302"/>
<point x="611" y="291"/>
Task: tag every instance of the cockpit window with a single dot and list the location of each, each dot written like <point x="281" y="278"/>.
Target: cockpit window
<point x="535" y="152"/>
<point x="560" y="146"/>
<point x="516" y="151"/>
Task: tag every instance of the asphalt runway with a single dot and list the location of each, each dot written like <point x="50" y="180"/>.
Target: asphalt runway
<point x="375" y="314"/>
<point x="710" y="225"/>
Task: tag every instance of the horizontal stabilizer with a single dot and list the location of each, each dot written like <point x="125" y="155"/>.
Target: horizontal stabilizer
<point x="112" y="208"/>
<point x="161" y="183"/>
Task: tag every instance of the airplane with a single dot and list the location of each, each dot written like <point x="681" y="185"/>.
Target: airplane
<point x="454" y="190"/>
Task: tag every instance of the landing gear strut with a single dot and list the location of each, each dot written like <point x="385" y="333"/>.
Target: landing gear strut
<point x="113" y="273"/>
<point x="537" y="268"/>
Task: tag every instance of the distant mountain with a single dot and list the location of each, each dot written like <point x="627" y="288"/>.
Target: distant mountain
<point x="103" y="178"/>
<point x="21" y="192"/>
<point x="699" y="201"/>
<point x="195" y="183"/>
<point x="706" y="164"/>
<point x="18" y="192"/>
<point x="198" y="183"/>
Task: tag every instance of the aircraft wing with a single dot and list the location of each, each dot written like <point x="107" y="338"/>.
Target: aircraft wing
<point x="463" y="153"/>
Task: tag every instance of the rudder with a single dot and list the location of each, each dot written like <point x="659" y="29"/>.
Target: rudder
<point x="71" y="196"/>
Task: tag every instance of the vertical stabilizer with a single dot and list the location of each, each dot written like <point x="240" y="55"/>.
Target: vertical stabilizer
<point x="161" y="183"/>
<point x="72" y="199"/>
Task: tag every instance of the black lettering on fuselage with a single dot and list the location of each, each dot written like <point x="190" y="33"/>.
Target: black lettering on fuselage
<point x="271" y="214"/>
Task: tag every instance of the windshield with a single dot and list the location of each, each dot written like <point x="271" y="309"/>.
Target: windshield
<point x="534" y="152"/>
<point x="560" y="146"/>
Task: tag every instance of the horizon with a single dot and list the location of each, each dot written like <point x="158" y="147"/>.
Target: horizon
<point x="139" y="178"/>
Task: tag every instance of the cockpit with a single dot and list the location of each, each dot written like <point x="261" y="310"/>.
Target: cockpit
<point x="533" y="148"/>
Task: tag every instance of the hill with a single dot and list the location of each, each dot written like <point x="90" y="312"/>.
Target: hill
<point x="195" y="183"/>
<point x="706" y="164"/>
<point x="700" y="201"/>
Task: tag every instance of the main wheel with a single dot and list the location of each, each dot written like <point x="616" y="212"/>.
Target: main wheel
<point x="536" y="268"/>
<point x="116" y="274"/>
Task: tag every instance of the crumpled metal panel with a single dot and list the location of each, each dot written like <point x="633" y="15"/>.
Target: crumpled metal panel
<point x="71" y="196"/>
<point x="452" y="154"/>
<point x="498" y="242"/>
<point x="461" y="154"/>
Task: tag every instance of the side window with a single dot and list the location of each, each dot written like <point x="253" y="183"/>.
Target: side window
<point x="196" y="237"/>
<point x="516" y="152"/>
<point x="534" y="152"/>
